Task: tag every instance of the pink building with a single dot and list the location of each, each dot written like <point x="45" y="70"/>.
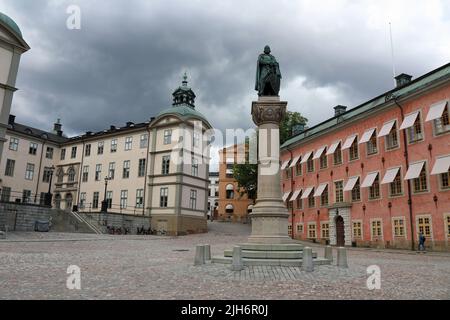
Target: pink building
<point x="376" y="175"/>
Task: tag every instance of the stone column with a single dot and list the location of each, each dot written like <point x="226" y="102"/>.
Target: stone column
<point x="269" y="214"/>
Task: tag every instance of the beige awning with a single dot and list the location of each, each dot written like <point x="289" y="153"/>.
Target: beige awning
<point x="351" y="183"/>
<point x="409" y="120"/>
<point x="320" y="189"/>
<point x="286" y="195"/>
<point x="294" y="162"/>
<point x="369" y="180"/>
<point x="348" y="143"/>
<point x="306" y="157"/>
<point x="333" y="148"/>
<point x="386" y="129"/>
<point x="229" y="207"/>
<point x="285" y="164"/>
<point x="436" y="110"/>
<point x="390" y="175"/>
<point x="442" y="165"/>
<point x="307" y="192"/>
<point x="229" y="187"/>
<point x="367" y="135"/>
<point x="319" y="152"/>
<point x="414" y="170"/>
<point x="295" y="195"/>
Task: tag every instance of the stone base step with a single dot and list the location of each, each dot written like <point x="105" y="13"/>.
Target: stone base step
<point x="271" y="247"/>
<point x="270" y="262"/>
<point x="259" y="254"/>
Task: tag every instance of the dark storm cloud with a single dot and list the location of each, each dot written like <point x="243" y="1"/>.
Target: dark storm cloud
<point x="129" y="56"/>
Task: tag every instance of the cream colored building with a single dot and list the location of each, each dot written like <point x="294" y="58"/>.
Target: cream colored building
<point x="157" y="168"/>
<point x="12" y="45"/>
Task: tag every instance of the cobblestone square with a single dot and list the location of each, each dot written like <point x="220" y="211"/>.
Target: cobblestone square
<point x="34" y="265"/>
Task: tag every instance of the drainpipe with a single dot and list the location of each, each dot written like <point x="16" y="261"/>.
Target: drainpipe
<point x="80" y="174"/>
<point x="405" y="143"/>
<point x="39" y="173"/>
<point x="292" y="183"/>
<point x="146" y="171"/>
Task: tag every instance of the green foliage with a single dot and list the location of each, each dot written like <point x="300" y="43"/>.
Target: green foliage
<point x="291" y="119"/>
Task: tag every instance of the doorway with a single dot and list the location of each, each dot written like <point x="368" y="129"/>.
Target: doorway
<point x="340" y="232"/>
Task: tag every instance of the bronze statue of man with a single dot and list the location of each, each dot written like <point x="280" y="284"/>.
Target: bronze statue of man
<point x="268" y="74"/>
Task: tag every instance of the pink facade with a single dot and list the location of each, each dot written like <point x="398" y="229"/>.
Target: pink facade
<point x="381" y="215"/>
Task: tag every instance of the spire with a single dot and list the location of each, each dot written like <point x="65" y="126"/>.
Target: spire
<point x="184" y="95"/>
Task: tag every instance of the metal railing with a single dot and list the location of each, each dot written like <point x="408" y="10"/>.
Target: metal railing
<point x="9" y="196"/>
<point x="112" y="207"/>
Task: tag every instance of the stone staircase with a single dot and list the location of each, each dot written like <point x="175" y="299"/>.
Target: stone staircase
<point x="286" y="255"/>
<point x="90" y="224"/>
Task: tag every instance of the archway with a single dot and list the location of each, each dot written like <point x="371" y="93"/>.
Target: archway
<point x="340" y="231"/>
<point x="57" y="201"/>
<point x="229" y="210"/>
<point x="69" y="201"/>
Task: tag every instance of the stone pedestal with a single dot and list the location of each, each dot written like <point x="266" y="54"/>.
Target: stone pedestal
<point x="269" y="215"/>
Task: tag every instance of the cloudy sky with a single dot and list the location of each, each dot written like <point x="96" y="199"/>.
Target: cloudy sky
<point x="129" y="56"/>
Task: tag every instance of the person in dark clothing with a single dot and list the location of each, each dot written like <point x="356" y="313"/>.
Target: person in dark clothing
<point x="421" y="242"/>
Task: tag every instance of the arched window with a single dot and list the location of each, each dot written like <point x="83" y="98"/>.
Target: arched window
<point x="230" y="191"/>
<point x="69" y="201"/>
<point x="60" y="175"/>
<point x="71" y="174"/>
<point x="58" y="201"/>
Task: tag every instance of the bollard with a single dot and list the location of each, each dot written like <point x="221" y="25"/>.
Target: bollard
<point x="342" y="258"/>
<point x="329" y="253"/>
<point x="199" y="255"/>
<point x="207" y="252"/>
<point x="237" y="264"/>
<point x="307" y="260"/>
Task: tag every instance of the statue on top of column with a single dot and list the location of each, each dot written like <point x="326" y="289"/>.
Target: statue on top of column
<point x="268" y="74"/>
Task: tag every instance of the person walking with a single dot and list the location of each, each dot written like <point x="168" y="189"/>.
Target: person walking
<point x="421" y="242"/>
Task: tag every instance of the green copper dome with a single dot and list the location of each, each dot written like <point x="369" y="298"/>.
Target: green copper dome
<point x="184" y="111"/>
<point x="11" y="24"/>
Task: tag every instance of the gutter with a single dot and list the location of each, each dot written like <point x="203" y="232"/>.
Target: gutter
<point x="292" y="182"/>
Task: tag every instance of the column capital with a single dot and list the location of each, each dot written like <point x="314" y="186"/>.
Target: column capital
<point x="268" y="110"/>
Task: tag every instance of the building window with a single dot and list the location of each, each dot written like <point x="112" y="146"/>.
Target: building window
<point x="392" y="138"/>
<point x="311" y="231"/>
<point x="442" y="124"/>
<point x="111" y="170"/>
<point x="230" y="191"/>
<point x="165" y="165"/>
<point x="288" y="173"/>
<point x="357" y="230"/>
<point x="445" y="180"/>
<point x="10" y="164"/>
<point x="85" y="175"/>
<point x="63" y="154"/>
<point x="113" y="145"/>
<point x="324" y="197"/>
<point x="339" y="191"/>
<point x="290" y="230"/>
<point x="448" y="226"/>
<point x="377" y="229"/>
<point x="42" y="198"/>
<point x="356" y="192"/>
<point x="141" y="167"/>
<point x="337" y="155"/>
<point x="300" y="229"/>
<point x="299" y="203"/>
<point x="33" y="148"/>
<point x="126" y="169"/>
<point x="109" y="197"/>
<point x="60" y="175"/>
<point x="71" y="174"/>
<point x="414" y="133"/>
<point x="82" y="200"/>
<point x="325" y="230"/>
<point x="399" y="227"/>
<point x="128" y="143"/>
<point x="168" y="136"/>
<point x="193" y="200"/>
<point x="123" y="199"/>
<point x="6" y="194"/>
<point x="298" y="169"/>
<point x="420" y="184"/>
<point x="100" y="147"/>
<point x="196" y="140"/>
<point x="354" y="151"/>
<point x="49" y="153"/>
<point x="424" y="226"/>
<point x="310" y="164"/>
<point x="73" y="154"/>
<point x="372" y="147"/>
<point x="13" y="144"/>
<point x="143" y="141"/>
<point x="29" y="172"/>
<point x="26" y="196"/>
<point x="374" y="190"/>
<point x="395" y="187"/>
<point x="139" y="198"/>
<point x="194" y="168"/>
<point x="98" y="172"/>
<point x="163" y="196"/>
<point x="311" y="199"/>
<point x="87" y="150"/>
<point x="47" y="174"/>
<point x="323" y="160"/>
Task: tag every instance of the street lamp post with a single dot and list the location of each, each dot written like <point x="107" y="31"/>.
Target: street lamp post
<point x="105" y="202"/>
<point x="48" y="196"/>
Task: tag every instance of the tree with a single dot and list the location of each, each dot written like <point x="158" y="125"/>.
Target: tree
<point x="246" y="174"/>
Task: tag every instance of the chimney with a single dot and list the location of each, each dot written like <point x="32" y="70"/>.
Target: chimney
<point x="57" y="128"/>
<point x="298" y="128"/>
<point x="89" y="133"/>
<point x="112" y="128"/>
<point x="130" y="124"/>
<point x="403" y="79"/>
<point x="338" y="110"/>
<point x="12" y="119"/>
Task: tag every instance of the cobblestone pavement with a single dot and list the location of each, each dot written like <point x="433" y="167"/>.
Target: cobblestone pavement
<point x="34" y="265"/>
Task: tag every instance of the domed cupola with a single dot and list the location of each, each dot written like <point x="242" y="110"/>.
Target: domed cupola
<point x="184" y="95"/>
